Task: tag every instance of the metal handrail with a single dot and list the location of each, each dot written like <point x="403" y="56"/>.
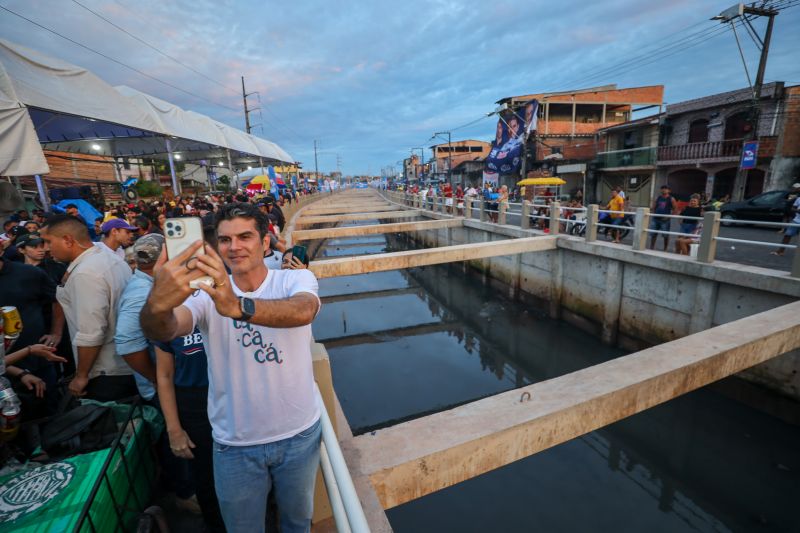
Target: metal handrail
<point x="659" y="215"/>
<point x="757" y="243"/>
<point x="355" y="518"/>
<point x="761" y="223"/>
<point x="618" y="212"/>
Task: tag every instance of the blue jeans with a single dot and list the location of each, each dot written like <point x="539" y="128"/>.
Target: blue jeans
<point x="244" y="476"/>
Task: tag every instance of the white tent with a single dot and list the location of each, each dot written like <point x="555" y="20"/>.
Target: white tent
<point x="74" y="110"/>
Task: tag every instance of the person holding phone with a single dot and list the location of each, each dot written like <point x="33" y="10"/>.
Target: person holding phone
<point x="262" y="402"/>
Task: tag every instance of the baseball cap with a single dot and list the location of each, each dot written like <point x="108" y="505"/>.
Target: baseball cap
<point x="147" y="249"/>
<point x="116" y="223"/>
<point x="29" y="239"/>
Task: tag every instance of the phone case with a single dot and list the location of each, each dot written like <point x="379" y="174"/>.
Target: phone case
<point x="179" y="234"/>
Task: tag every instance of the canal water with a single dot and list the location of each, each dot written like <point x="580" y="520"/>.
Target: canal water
<point x="405" y="344"/>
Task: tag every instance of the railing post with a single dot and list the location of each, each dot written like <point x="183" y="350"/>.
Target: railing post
<point x="501" y="213"/>
<point x="591" y="222"/>
<point x="468" y="207"/>
<point x="640" y="228"/>
<point x="483" y="209"/>
<point x="708" y="238"/>
<point x="526" y="215"/>
<point x="555" y="214"/>
<point x="795" y="273"/>
<point x="443" y="205"/>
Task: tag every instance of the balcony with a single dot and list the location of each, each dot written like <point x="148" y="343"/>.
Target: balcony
<point x="730" y="149"/>
<point x="634" y="157"/>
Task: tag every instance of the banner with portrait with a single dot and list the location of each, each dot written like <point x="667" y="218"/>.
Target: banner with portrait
<point x="505" y="156"/>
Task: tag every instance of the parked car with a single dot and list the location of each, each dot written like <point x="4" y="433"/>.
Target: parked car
<point x="768" y="206"/>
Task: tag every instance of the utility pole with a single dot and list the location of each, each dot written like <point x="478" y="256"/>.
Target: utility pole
<point x="246" y="112"/>
<point x="729" y="16"/>
<point x="316" y="164"/>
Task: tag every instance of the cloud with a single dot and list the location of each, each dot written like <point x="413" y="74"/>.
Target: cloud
<point x="370" y="80"/>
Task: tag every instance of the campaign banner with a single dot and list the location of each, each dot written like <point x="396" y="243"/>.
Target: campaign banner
<point x="491" y="178"/>
<point x="749" y="155"/>
<point x="505" y="156"/>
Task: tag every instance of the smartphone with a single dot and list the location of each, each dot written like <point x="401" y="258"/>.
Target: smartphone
<point x="300" y="252"/>
<point x="179" y="234"/>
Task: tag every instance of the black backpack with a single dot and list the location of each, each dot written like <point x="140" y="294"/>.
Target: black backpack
<point x="86" y="428"/>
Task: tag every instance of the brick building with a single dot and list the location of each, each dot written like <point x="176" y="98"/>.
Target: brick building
<point x="569" y="121"/>
<point x="456" y="153"/>
<point x="701" y="142"/>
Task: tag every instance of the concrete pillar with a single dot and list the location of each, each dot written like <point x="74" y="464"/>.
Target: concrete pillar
<point x="515" y="280"/>
<point x="708" y="238"/>
<point x="591" y="222"/>
<point x="556" y="282"/>
<point x="612" y="302"/>
<point x="555" y="214"/>
<point x="795" y="273"/>
<point x="705" y="300"/>
<point x="501" y="215"/>
<point x="525" y="223"/>
<point x="483" y="210"/>
<point x="642" y="223"/>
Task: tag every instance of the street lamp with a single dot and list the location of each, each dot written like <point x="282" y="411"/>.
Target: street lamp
<point x="449" y="154"/>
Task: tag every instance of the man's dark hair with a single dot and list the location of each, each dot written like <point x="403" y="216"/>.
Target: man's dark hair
<point x="142" y="222"/>
<point x="98" y="219"/>
<point x="67" y="224"/>
<point x="71" y="206"/>
<point x="243" y="210"/>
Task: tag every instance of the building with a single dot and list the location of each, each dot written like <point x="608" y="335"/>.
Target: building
<point x="468" y="173"/>
<point x="568" y="123"/>
<point x="450" y="155"/>
<point x="701" y="142"/>
<point x="628" y="160"/>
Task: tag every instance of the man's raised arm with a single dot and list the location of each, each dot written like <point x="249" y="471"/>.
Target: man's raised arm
<point x="163" y="316"/>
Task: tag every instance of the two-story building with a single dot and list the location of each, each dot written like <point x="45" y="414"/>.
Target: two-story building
<point x="701" y="142"/>
<point x="568" y="123"/>
<point x="628" y="160"/>
<point x="451" y="155"/>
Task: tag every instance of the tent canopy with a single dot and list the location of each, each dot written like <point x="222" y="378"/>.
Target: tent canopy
<point x="74" y="110"/>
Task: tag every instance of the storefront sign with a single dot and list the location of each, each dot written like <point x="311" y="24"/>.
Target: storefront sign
<point x="749" y="155"/>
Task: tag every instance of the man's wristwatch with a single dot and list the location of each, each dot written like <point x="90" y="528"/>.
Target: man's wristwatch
<point x="248" y="308"/>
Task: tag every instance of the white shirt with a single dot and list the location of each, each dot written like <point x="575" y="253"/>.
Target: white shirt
<point x="796" y="206"/>
<point x="95" y="281"/>
<point x="261" y="380"/>
<point x="119" y="252"/>
<point x="274" y="261"/>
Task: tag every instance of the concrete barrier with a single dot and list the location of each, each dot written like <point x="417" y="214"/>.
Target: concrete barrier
<point x="374" y="229"/>
<point x="347" y="266"/>
<point x="334" y="219"/>
<point x="412" y="459"/>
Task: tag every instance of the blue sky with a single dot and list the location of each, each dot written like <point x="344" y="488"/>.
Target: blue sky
<point x="370" y="80"/>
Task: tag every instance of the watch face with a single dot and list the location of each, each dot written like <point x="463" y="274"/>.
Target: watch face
<point x="248" y="306"/>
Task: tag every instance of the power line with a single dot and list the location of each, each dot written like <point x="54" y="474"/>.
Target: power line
<point x="118" y="62"/>
<point x="126" y="32"/>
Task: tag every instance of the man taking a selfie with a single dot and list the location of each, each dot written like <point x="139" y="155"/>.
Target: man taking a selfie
<point x="262" y="404"/>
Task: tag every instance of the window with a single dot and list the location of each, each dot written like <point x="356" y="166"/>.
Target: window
<point x="737" y="126"/>
<point x="768" y="198"/>
<point x="698" y="131"/>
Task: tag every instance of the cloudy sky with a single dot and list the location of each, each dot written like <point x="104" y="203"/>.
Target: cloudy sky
<point x="370" y="80"/>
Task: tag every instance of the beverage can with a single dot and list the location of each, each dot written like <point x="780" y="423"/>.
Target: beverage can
<point x="12" y="322"/>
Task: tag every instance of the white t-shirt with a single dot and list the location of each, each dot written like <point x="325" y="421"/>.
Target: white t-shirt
<point x="261" y="381"/>
<point x="119" y="252"/>
<point x="274" y="261"/>
<point x="796" y="206"/>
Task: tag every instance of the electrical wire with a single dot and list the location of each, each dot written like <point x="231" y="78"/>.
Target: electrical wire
<point x="126" y="32"/>
<point x="118" y="62"/>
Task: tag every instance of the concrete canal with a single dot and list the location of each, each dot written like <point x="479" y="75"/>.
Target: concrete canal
<point x="407" y="343"/>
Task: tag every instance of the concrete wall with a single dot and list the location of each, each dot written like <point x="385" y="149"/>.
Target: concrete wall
<point x="634" y="299"/>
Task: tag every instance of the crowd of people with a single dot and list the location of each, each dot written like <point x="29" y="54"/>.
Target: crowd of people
<point x="108" y="316"/>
